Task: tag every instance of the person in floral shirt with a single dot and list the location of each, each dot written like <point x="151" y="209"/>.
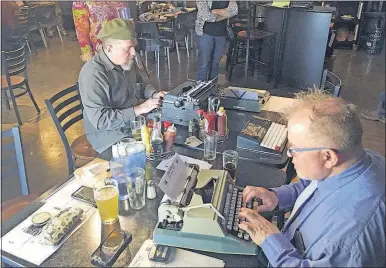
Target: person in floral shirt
<point x="88" y="19"/>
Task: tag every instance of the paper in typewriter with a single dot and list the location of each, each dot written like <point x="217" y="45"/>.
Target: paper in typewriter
<point x="181" y="258"/>
<point x="174" y="179"/>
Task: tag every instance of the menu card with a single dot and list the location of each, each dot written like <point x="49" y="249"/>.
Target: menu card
<point x="34" y="249"/>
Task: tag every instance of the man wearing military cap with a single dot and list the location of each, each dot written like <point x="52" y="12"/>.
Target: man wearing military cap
<point x="110" y="86"/>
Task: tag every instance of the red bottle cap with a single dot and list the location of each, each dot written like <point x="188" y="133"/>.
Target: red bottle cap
<point x="167" y="124"/>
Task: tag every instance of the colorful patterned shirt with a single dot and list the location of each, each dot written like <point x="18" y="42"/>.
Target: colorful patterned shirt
<point x="88" y="19"/>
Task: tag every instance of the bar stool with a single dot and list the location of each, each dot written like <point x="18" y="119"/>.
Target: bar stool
<point x="256" y="39"/>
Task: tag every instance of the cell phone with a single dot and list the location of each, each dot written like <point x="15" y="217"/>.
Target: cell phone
<point x="159" y="253"/>
<point x="85" y="194"/>
<point x="110" y="248"/>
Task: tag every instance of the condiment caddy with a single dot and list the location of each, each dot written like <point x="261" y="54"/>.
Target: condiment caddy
<point x="159" y="138"/>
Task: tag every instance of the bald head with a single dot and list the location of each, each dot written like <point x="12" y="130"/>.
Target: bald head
<point x="321" y="120"/>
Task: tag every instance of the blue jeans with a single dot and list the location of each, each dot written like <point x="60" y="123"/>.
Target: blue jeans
<point x="210" y="49"/>
<point x="381" y="106"/>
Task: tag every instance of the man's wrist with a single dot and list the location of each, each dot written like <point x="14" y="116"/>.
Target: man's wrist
<point x="137" y="110"/>
<point x="277" y="206"/>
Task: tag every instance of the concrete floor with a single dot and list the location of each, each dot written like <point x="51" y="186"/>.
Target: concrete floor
<point x="57" y="68"/>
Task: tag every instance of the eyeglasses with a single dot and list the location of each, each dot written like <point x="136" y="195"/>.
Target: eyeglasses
<point x="290" y="151"/>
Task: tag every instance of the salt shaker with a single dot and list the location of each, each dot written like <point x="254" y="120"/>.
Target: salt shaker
<point x="151" y="193"/>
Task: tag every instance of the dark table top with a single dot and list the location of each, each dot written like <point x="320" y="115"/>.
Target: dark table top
<point x="236" y="122"/>
<point x="77" y="250"/>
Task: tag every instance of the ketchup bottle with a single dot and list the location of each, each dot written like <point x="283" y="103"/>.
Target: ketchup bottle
<point x="210" y="121"/>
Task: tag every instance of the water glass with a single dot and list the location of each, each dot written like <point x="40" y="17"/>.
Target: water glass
<point x="229" y="160"/>
<point x="124" y="13"/>
<point x="119" y="149"/>
<point x="136" y="188"/>
<point x="210" y="145"/>
<point x="136" y="155"/>
<point x="136" y="125"/>
<point x="118" y="168"/>
<point x="106" y="198"/>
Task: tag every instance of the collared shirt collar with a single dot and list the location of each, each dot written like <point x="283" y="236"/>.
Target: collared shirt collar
<point x="105" y="60"/>
<point x="350" y="174"/>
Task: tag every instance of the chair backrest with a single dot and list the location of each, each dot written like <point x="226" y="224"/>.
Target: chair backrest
<point x="21" y="25"/>
<point x="30" y="10"/>
<point x="11" y="154"/>
<point x="191" y="20"/>
<point x="46" y="12"/>
<point x="148" y="36"/>
<point x="65" y="109"/>
<point x="331" y="82"/>
<point x="14" y="62"/>
<point x="28" y="16"/>
<point x="147" y="30"/>
<point x="181" y="20"/>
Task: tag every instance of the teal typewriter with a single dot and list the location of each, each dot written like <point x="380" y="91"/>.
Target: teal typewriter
<point x="205" y="215"/>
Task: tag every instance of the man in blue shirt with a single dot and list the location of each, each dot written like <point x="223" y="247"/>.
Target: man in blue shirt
<point x="338" y="205"/>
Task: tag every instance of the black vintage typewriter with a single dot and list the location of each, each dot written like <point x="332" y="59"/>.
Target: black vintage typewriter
<point x="263" y="136"/>
<point x="233" y="203"/>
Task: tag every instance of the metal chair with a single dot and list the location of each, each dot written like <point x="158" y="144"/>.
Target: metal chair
<point x="190" y="23"/>
<point x="65" y="109"/>
<point x="149" y="40"/>
<point x="20" y="33"/>
<point x="181" y="33"/>
<point x="178" y="33"/>
<point x="14" y="66"/>
<point x="331" y="82"/>
<point x="33" y="24"/>
<point x="47" y="17"/>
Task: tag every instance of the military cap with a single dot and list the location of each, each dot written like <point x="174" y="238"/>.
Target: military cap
<point x="118" y="29"/>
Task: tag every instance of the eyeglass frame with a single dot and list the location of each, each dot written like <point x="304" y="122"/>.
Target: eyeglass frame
<point x="290" y="151"/>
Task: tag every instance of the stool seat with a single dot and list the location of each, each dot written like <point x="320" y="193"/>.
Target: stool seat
<point x="11" y="207"/>
<point x="82" y="149"/>
<point x="255" y="34"/>
<point x="15" y="80"/>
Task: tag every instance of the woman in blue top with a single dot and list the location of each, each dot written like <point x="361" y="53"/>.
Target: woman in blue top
<point x="211" y="31"/>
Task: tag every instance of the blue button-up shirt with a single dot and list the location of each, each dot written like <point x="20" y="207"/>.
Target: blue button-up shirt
<point x="342" y="224"/>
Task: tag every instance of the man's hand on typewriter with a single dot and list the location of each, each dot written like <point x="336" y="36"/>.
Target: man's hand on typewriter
<point x="158" y="95"/>
<point x="147" y="106"/>
<point x="269" y="198"/>
<point x="256" y="225"/>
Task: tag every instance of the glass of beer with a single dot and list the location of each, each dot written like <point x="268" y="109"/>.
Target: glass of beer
<point x="229" y="158"/>
<point x="136" y="125"/>
<point x="106" y="197"/>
